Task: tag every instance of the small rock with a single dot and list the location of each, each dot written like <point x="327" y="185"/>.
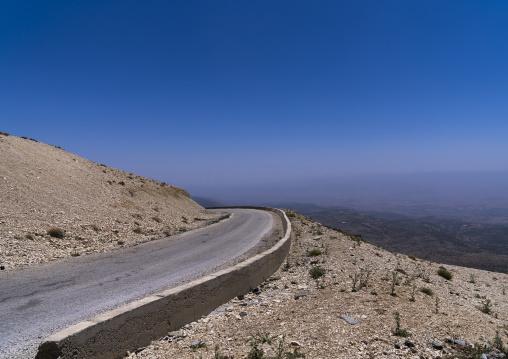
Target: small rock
<point x="176" y="334"/>
<point x="437" y="345"/>
<point x="256" y="290"/>
<point x="240" y="297"/>
<point x="495" y="355"/>
<point x="295" y="344"/>
<point x="243" y="314"/>
<point x="397" y="346"/>
<point x="2" y="267"/>
<point x="349" y="320"/>
<point x="304" y="293"/>
<point x="409" y="344"/>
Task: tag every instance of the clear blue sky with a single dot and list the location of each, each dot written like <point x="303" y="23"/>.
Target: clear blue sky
<point x="199" y="93"/>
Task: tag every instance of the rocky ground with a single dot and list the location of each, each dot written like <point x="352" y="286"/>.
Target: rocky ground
<point x="54" y="204"/>
<point x="369" y="303"/>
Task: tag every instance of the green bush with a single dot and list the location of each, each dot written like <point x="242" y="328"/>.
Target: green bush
<point x="444" y="273"/>
<point x="317" y="272"/>
<point x="427" y="291"/>
<point x="314" y="253"/>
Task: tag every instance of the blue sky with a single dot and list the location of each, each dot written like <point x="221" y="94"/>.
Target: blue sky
<point x="223" y="93"/>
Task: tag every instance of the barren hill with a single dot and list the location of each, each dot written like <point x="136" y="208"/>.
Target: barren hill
<point x="55" y="204"/>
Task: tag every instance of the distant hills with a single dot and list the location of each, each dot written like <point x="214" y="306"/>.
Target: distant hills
<point x="452" y="241"/>
<point x="444" y="234"/>
<point x="208" y="202"/>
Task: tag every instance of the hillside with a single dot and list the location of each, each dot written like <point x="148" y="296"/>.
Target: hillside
<point x="351" y="310"/>
<point x="54" y="204"/>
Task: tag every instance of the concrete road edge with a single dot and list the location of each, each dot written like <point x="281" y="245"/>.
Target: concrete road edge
<point x="135" y="325"/>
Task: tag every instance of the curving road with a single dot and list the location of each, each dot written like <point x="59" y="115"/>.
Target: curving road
<point x="38" y="301"/>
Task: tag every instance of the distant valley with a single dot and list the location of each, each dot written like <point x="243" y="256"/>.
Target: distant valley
<point x="471" y="236"/>
<point x="446" y="240"/>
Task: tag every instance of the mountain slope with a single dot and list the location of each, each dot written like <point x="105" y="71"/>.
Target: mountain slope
<point x="55" y="204"/>
<point x="351" y="311"/>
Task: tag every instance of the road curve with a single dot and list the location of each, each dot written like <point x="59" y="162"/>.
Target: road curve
<point x="40" y="300"/>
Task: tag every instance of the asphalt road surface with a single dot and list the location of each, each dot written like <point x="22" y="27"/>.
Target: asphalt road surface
<point x="40" y="300"/>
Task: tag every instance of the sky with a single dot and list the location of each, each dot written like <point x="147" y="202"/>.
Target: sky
<point x="209" y="95"/>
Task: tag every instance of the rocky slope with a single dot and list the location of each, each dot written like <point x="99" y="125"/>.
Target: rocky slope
<point x="55" y="204"/>
<point x="351" y="311"/>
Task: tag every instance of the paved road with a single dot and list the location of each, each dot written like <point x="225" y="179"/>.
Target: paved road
<point x="38" y="301"/>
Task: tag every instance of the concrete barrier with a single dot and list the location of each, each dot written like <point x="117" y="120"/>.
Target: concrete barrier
<point x="135" y="325"/>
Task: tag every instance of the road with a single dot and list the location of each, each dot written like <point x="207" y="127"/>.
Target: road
<point x="38" y="301"/>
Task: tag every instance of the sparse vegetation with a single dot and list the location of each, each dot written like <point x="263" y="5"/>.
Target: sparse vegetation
<point x="395" y="282"/>
<point x="314" y="253"/>
<point x="317" y="272"/>
<point x="362" y="278"/>
<point x="427" y="291"/>
<point x="277" y="347"/>
<point x="55" y="232"/>
<point x="498" y="343"/>
<point x="399" y="332"/>
<point x="486" y="306"/>
<point x="444" y="273"/>
<point x="402" y="271"/>
<point x="197" y="345"/>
